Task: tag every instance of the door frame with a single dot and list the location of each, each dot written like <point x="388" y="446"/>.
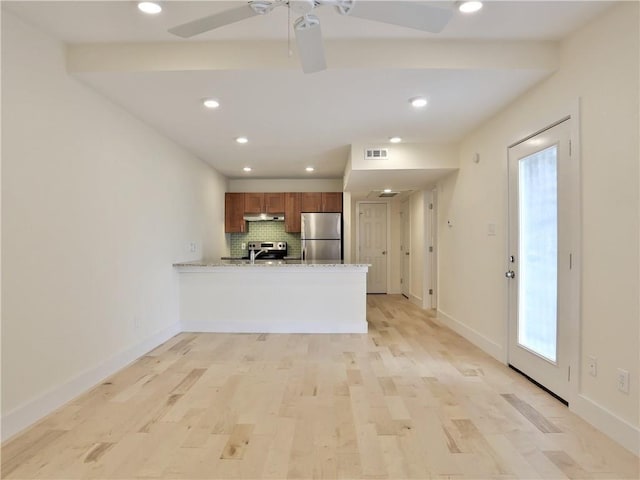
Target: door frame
<point x="405" y="244"/>
<point x="572" y="114"/>
<point x="388" y="239"/>
<point x="431" y="259"/>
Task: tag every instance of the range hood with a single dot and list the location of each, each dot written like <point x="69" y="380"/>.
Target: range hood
<point x="264" y="217"/>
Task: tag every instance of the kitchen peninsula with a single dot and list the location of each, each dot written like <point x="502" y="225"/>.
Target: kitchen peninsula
<point x="273" y="297"/>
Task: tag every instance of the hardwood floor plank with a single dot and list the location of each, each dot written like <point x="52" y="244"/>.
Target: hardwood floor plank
<point x="408" y="400"/>
<point x="237" y="443"/>
<point x="568" y="466"/>
<point x="533" y="415"/>
<point x="15" y="455"/>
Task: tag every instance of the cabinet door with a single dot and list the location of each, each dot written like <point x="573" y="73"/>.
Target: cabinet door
<point x="274" y="202"/>
<point x="234" y="212"/>
<point x="311" y="201"/>
<point x="292" y="210"/>
<point x="332" y="202"/>
<point x="254" y="202"/>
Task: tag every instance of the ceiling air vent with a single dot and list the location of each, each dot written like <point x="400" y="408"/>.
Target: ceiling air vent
<point x="376" y="154"/>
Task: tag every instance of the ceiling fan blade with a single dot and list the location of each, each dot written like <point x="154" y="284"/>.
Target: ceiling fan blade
<point x="214" y="21"/>
<point x="309" y="41"/>
<point x="406" y="14"/>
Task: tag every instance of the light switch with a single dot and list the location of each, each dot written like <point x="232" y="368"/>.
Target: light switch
<point x="491" y="229"/>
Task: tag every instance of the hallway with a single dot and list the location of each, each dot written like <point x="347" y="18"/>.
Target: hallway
<point x="410" y="399"/>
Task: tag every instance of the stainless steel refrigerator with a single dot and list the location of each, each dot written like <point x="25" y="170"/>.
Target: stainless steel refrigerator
<point x="321" y="235"/>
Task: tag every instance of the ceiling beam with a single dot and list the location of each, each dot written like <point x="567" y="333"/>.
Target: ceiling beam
<point x="251" y="55"/>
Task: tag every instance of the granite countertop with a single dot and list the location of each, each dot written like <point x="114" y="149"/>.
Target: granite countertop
<point x="268" y="263"/>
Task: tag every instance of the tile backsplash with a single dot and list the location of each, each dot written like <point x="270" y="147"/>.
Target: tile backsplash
<point x="264" y="231"/>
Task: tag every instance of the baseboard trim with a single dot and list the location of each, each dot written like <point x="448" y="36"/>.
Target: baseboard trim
<point x="272" y="327"/>
<point x="618" y="429"/>
<point x="415" y="300"/>
<point x="607" y="422"/>
<point x="26" y="415"/>
<point x="485" y="344"/>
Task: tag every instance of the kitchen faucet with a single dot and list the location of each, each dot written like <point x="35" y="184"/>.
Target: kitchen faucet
<point x="253" y="255"/>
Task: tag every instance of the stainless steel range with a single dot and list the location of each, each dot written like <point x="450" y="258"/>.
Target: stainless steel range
<point x="266" y="250"/>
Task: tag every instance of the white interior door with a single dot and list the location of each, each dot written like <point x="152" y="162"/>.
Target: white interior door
<point x="405" y="249"/>
<point x="373" y="244"/>
<point x="539" y="258"/>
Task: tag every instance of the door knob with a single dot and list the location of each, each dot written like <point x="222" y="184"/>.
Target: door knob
<point x="510" y="274"/>
<point x="384" y="252"/>
<point x="407" y="254"/>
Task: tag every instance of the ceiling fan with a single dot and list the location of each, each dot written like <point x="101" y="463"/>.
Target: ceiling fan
<point x="307" y="27"/>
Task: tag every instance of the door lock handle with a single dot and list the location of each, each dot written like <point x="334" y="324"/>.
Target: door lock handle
<point x="510" y="274"/>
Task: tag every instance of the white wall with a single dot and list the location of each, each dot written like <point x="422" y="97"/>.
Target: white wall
<point x="285" y="185"/>
<point x="600" y="65"/>
<point x="407" y="156"/>
<point x="96" y="206"/>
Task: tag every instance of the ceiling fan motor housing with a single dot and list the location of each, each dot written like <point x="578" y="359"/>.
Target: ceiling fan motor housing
<point x="302" y="7"/>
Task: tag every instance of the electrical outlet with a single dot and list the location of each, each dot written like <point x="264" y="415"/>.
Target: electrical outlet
<point x="136" y="322"/>
<point x="243" y="246"/>
<point x="592" y="365"/>
<point x="623" y="380"/>
<point x="193" y="247"/>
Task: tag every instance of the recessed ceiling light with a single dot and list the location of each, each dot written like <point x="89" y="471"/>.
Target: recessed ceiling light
<point x="387" y="190"/>
<point x="418" y="102"/>
<point x="309" y="169"/>
<point x="242" y="139"/>
<point x="395" y="139"/>
<point x="247" y="169"/>
<point x="211" y="103"/>
<point x="469" y="7"/>
<point x="149" y="7"/>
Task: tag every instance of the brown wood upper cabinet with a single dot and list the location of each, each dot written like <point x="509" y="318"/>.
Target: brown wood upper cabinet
<point x="236" y="205"/>
<point x="311" y="201"/>
<point x="257" y="202"/>
<point x="274" y="202"/>
<point x="332" y="202"/>
<point x="292" y="210"/>
<point x="234" y="213"/>
<point x="321" y="202"/>
<point x="253" y="202"/>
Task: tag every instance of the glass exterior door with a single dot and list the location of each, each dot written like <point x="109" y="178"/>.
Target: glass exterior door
<point x="539" y="258"/>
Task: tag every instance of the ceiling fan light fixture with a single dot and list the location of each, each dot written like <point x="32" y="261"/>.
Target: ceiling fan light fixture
<point x="306" y="21"/>
<point x="150" y="8"/>
<point x="211" y="103"/>
<point x="387" y="190"/>
<point x="344" y="6"/>
<point x="260" y="7"/>
<point x="469" y="7"/>
<point x="395" y="139"/>
<point x="242" y="140"/>
<point x="418" y="102"/>
<point x="246" y="169"/>
<point x="309" y="169"/>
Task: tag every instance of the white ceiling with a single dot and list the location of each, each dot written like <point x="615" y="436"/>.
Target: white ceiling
<point x="477" y="65"/>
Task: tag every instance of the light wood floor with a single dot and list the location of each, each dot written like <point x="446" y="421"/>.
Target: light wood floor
<point x="410" y="399"/>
